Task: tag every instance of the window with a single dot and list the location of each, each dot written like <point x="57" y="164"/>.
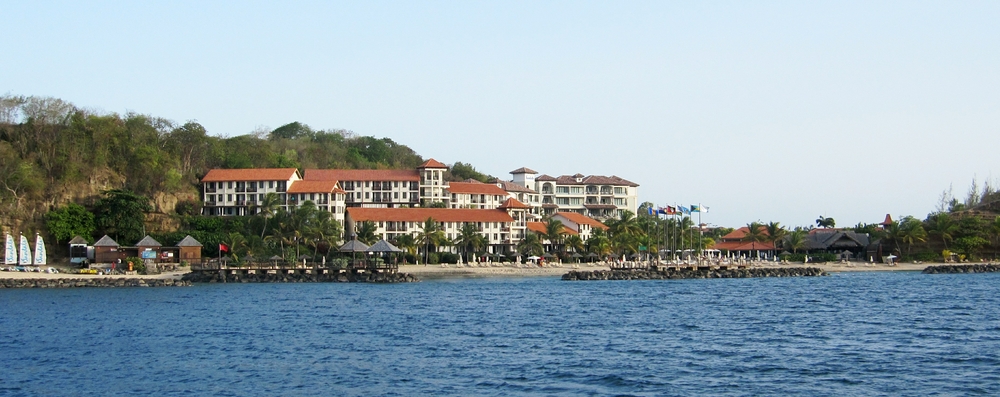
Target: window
<point x="576" y="190"/>
<point x="367" y="195"/>
<point x="312" y="196"/>
<point x="220" y="197"/>
<point x="562" y="189"/>
<point x="619" y="190"/>
<point x="260" y="197"/>
<point x="404" y="194"/>
<point x="253" y="185"/>
<point x="368" y="183"/>
<point x="396" y="195"/>
<point x="229" y="197"/>
<point x="395" y="184"/>
<point x="270" y="184"/>
<point x="562" y="200"/>
<point x="619" y="201"/>
<point x="576" y="201"/>
<point x="349" y="185"/>
<point x="376" y="185"/>
<point x="230" y="185"/>
<point x="358" y="195"/>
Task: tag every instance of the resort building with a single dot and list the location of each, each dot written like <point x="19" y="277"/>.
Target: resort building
<point x="525" y="195"/>
<point x="599" y="197"/>
<point x="240" y="192"/>
<point x="496" y="225"/>
<point x="582" y="225"/>
<point x="373" y="188"/>
<point x="432" y="183"/>
<point x="475" y="195"/>
<point x="236" y="192"/>
<point x="326" y="195"/>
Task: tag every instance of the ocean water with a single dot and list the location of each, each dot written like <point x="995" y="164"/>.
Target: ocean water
<point x="848" y="334"/>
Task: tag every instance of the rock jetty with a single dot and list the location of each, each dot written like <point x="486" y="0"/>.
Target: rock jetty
<point x="951" y="269"/>
<point x="676" y="274"/>
<point x="346" y="277"/>
<point x="105" y="282"/>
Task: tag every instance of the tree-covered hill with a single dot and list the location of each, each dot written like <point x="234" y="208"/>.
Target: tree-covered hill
<point x="53" y="153"/>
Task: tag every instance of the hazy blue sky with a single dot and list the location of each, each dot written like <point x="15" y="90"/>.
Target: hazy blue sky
<point x="772" y="111"/>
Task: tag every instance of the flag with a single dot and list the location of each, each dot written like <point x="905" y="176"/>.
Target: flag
<point x="671" y="210"/>
<point x="661" y="211"/>
<point x="223" y="248"/>
<point x="695" y="208"/>
<point x="684" y="210"/>
<point x="704" y="209"/>
<point x="649" y="210"/>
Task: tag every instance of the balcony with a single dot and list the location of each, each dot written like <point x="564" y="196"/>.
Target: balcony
<point x="211" y="204"/>
<point x="210" y="190"/>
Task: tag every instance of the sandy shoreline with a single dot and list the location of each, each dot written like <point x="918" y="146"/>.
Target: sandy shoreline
<point x="453" y="271"/>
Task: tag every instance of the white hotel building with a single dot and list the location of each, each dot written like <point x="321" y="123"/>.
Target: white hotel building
<point x="502" y="209"/>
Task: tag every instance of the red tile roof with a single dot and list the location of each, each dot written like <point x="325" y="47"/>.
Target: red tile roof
<point x="739" y="234"/>
<point x="593" y="180"/>
<point x="314" y="187"/>
<point x="515" y="187"/>
<point x="580" y="219"/>
<point x="524" y="170"/>
<point x="432" y="164"/>
<point x="362" y="175"/>
<point x="743" y="246"/>
<point x="421" y="214"/>
<point x="475" y="188"/>
<point x="513" y="203"/>
<point x="887" y="221"/>
<point x="250" y="174"/>
<point x="539" y="227"/>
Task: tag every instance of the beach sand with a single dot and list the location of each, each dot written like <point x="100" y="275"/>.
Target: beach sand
<point x="453" y="271"/>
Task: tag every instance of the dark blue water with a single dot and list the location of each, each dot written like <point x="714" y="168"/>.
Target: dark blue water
<point x="850" y="334"/>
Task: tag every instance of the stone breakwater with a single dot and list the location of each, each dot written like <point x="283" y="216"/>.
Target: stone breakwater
<point x="674" y="274"/>
<point x="106" y="282"/>
<point x="950" y="269"/>
<point x="216" y="277"/>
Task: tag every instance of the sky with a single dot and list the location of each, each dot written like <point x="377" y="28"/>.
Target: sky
<point x="761" y="111"/>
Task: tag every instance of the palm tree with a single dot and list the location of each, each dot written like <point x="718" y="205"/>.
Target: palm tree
<point x="912" y="231"/>
<point x="941" y="225"/>
<point x="776" y="233"/>
<point x="796" y="240"/>
<point x="531" y="244"/>
<point x="267" y="208"/>
<point x="366" y="232"/>
<point x="469" y="237"/>
<point x="407" y="243"/>
<point x="625" y="224"/>
<point x="756" y="233"/>
<point x="575" y="242"/>
<point x="554" y="231"/>
<point x="430" y="235"/>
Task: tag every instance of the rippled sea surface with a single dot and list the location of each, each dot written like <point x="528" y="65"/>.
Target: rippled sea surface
<point x="847" y="334"/>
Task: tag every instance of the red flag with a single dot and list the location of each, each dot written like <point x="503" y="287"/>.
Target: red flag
<point x="223" y="248"/>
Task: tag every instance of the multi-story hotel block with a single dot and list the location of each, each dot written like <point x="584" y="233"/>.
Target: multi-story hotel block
<point x="502" y="227"/>
<point x="239" y="192"/>
<point x="398" y="199"/>
<point x="373" y="188"/>
<point x="599" y="197"/>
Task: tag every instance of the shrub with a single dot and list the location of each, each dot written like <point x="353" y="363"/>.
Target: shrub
<point x="432" y="258"/>
<point x="448" y="257"/>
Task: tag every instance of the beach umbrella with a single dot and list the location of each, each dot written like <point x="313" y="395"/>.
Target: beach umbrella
<point x="548" y="255"/>
<point x="534" y="258"/>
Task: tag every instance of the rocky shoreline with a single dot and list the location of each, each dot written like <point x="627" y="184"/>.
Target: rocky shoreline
<point x="106" y="282"/>
<point x="347" y="277"/>
<point x="675" y="274"/>
<point x="953" y="269"/>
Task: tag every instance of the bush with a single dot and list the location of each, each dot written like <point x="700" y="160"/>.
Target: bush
<point x="137" y="264"/>
<point x="432" y="258"/>
<point x="410" y="258"/>
<point x="448" y="257"/>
